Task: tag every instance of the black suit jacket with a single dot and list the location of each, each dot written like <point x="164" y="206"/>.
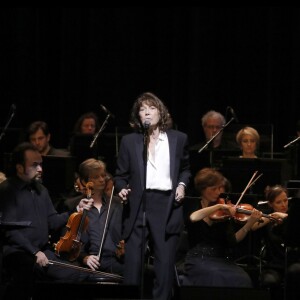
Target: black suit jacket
<point x="130" y="174"/>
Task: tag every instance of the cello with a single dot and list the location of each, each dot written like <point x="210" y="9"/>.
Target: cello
<point x="70" y="244"/>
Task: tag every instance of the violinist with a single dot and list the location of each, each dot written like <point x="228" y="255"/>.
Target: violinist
<point x="273" y="234"/>
<point x="94" y="171"/>
<point x="26" y="250"/>
<point x="207" y="261"/>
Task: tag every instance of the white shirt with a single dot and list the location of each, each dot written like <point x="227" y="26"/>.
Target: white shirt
<point x="158" y="169"/>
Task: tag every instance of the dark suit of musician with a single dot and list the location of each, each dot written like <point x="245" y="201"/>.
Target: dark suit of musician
<point x="162" y="196"/>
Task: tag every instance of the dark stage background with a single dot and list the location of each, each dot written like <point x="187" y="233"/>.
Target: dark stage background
<point x="57" y="63"/>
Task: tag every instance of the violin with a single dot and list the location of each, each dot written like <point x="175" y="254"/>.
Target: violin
<point x="70" y="244"/>
<point x="242" y="214"/>
<point x="242" y="211"/>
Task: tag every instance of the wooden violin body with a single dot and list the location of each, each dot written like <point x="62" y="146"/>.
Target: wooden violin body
<point x="242" y="214"/>
<point x="220" y="215"/>
<point x="69" y="245"/>
<point x="242" y="211"/>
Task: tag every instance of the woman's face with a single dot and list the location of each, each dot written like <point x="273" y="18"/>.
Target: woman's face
<point x="212" y="193"/>
<point x="280" y="204"/>
<point x="88" y="126"/>
<point x="149" y="114"/>
<point x="98" y="178"/>
<point x="248" y="145"/>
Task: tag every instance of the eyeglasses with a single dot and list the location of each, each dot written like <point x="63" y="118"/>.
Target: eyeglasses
<point x="218" y="127"/>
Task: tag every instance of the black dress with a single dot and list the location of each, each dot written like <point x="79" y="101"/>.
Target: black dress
<point x="282" y="262"/>
<point x="208" y="261"/>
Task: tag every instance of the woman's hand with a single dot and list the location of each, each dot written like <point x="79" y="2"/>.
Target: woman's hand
<point x="278" y="215"/>
<point x="123" y="194"/>
<point x="180" y="192"/>
<point x="255" y="216"/>
<point x="231" y="209"/>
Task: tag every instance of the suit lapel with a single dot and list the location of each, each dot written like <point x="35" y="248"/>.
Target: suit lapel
<point x="172" y="148"/>
<point x="139" y="148"/>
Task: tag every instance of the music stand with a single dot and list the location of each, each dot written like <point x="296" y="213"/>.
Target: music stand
<point x="9" y="225"/>
<point x="239" y="170"/>
<point x="58" y="175"/>
<point x="80" y="147"/>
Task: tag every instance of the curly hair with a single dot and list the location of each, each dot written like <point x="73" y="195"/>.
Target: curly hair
<point x="150" y="99"/>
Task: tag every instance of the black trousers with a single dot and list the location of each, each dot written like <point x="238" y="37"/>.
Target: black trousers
<point x="164" y="246"/>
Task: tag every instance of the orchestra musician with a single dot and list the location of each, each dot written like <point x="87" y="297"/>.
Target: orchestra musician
<point x="85" y="128"/>
<point x="213" y="123"/>
<point x="108" y="260"/>
<point x="26" y="251"/>
<point x="39" y="135"/>
<point x="248" y="140"/>
<point x="87" y="123"/>
<point x="276" y="270"/>
<point x="210" y="239"/>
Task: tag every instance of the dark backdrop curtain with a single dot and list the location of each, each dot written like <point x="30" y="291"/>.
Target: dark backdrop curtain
<point x="57" y="63"/>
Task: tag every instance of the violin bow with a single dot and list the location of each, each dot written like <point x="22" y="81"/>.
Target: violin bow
<point x="250" y="183"/>
<point x="61" y="264"/>
<point x="106" y="221"/>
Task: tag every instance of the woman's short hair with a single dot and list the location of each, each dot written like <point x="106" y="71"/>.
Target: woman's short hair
<point x="208" y="177"/>
<point x="247" y="131"/>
